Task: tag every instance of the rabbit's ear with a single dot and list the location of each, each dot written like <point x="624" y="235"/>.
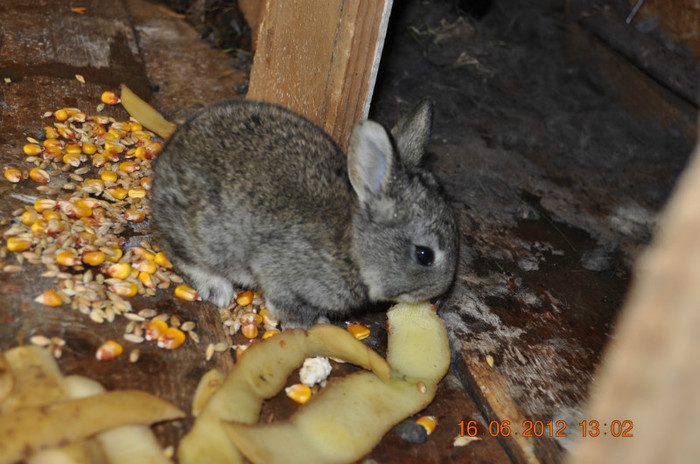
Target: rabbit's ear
<point x="412" y="134"/>
<point x="370" y="160"/>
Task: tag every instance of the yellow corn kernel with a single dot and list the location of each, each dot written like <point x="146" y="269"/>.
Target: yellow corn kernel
<point x="52" y="152"/>
<point x="249" y="330"/>
<point x="116" y="133"/>
<point x="49" y="298"/>
<point x="40" y="176"/>
<point x="270" y="333"/>
<point x="108" y="350"/>
<point x="112" y="254"/>
<point x="146" y="182"/>
<point x="89" y="148"/>
<point x="141" y="134"/>
<point x="134" y="215"/>
<point x="13" y="175"/>
<point x="77" y="210"/>
<point x="67" y="258"/>
<point x="146" y="280"/>
<point x="73" y="147"/>
<point x="155" y="329"/>
<point x="298" y="392"/>
<point x="162" y="260"/>
<point x="244" y="298"/>
<point x="143" y="253"/>
<point x="146" y="265"/>
<point x="249" y="317"/>
<point x="50" y="132"/>
<point x="109" y="98"/>
<point x="67" y="133"/>
<point x="171" y="339"/>
<point x="136" y="193"/>
<point x="85" y="238"/>
<point x="19" y="243"/>
<point x="124" y="288"/>
<point x="99" y="160"/>
<point x="51" y="214"/>
<point x="32" y="149"/>
<point x="29" y="217"/>
<point x="94" y="258"/>
<point x="428" y="422"/>
<point x="117" y="192"/>
<point x="42" y="204"/>
<point x="129" y="166"/>
<point x="358" y="330"/>
<point x="185" y="292"/>
<point x="60" y="115"/>
<point x="72" y="159"/>
<point x="152" y="149"/>
<point x="118" y="270"/>
<point x="53" y="142"/>
<point x="54" y="227"/>
<point x="139" y="153"/>
<point x="39" y="227"/>
<point x="109" y="176"/>
<point x="134" y="126"/>
<point x="115" y="147"/>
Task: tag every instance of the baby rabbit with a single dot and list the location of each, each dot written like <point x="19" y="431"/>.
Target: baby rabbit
<point x="252" y="194"/>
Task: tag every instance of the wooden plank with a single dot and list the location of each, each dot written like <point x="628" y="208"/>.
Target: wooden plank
<point x="650" y="378"/>
<point x="320" y="59"/>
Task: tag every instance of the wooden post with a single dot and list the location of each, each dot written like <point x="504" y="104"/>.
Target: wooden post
<point x="320" y="59"/>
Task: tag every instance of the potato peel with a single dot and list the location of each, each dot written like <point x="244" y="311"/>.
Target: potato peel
<point x="260" y="374"/>
<point x="348" y="418"/>
<point x="27" y="430"/>
<point x="36" y="378"/>
<point x="145" y="113"/>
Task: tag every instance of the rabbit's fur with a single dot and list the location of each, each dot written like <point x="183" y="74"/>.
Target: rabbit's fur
<point x="252" y="194"/>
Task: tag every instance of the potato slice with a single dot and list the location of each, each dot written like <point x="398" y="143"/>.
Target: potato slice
<point x="133" y="444"/>
<point x="208" y="385"/>
<point x="7" y="379"/>
<point x="37" y="379"/>
<point x="146" y="114"/>
<point x="348" y="418"/>
<point x="27" y="430"/>
<point x="261" y="373"/>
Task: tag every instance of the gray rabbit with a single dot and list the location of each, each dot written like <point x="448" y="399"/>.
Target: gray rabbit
<point x="252" y="194"/>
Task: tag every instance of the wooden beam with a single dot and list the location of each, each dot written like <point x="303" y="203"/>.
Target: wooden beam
<point x="320" y="59"/>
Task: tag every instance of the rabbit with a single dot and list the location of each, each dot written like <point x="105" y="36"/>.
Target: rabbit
<point x="252" y="194"/>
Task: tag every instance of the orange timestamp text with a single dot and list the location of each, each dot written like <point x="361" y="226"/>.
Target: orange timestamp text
<point x="552" y="429"/>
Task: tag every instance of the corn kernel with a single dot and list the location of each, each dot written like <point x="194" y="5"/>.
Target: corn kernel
<point x="50" y="132"/>
<point x="171" y="339"/>
<point x="39" y="227"/>
<point x="129" y="166"/>
<point x="185" y="292"/>
<point x="13" y="175"/>
<point x="118" y="270"/>
<point x="60" y="115"/>
<point x="89" y="148"/>
<point x="67" y="258"/>
<point x="73" y="147"/>
<point x="146" y="182"/>
<point x="29" y="217"/>
<point x="32" y="149"/>
<point x="49" y="298"/>
<point x="162" y="260"/>
<point x="249" y="330"/>
<point x="115" y="147"/>
<point x="120" y="125"/>
<point x="155" y="329"/>
<point x="141" y="134"/>
<point x="42" y="204"/>
<point x="136" y="193"/>
<point x="53" y="141"/>
<point x="19" y="243"/>
<point x="117" y="192"/>
<point x="99" y="160"/>
<point x="109" y="98"/>
<point x="52" y="152"/>
<point x="152" y="149"/>
<point x="93" y="258"/>
<point x="270" y="333"/>
<point x="40" y="176"/>
<point x="124" y="288"/>
<point x="298" y="392"/>
<point x="146" y="265"/>
<point x="244" y="298"/>
<point x="109" y="176"/>
<point x="67" y="133"/>
<point x="85" y="238"/>
<point x="135" y="126"/>
<point x="108" y="350"/>
<point x="72" y="159"/>
<point x="51" y="214"/>
<point x="134" y="215"/>
<point x="358" y="330"/>
<point x="54" y="227"/>
<point x="428" y="422"/>
<point x="146" y="280"/>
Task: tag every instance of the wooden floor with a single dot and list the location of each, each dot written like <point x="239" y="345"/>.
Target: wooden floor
<point x="517" y="364"/>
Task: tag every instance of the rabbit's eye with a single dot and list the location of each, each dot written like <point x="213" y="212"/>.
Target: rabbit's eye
<point x="424" y="255"/>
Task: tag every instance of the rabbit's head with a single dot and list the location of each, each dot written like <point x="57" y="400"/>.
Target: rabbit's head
<point x="404" y="232"/>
